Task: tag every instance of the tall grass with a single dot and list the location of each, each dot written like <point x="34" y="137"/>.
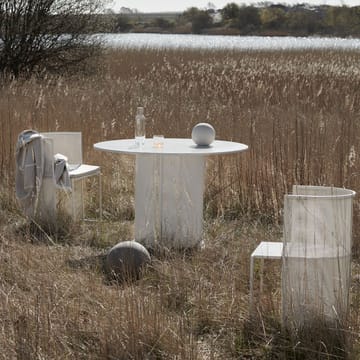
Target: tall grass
<point x="298" y="112"/>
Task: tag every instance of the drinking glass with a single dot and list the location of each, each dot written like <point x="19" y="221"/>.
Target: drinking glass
<point x="158" y="141"/>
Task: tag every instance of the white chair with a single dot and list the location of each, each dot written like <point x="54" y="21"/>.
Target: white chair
<point x="315" y="254"/>
<point x="70" y="145"/>
<point x="265" y="250"/>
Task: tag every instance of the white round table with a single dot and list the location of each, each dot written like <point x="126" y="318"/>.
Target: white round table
<point x="169" y="187"/>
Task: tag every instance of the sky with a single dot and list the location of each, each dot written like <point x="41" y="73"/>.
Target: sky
<point x="182" y="5"/>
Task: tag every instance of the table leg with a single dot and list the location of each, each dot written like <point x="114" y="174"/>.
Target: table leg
<point x="169" y="200"/>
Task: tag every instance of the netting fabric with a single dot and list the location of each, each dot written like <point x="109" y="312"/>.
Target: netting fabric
<point x="316" y="254"/>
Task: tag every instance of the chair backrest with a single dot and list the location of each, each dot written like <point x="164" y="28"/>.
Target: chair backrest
<point x="316" y="253"/>
<point x="318" y="221"/>
<point x="68" y="144"/>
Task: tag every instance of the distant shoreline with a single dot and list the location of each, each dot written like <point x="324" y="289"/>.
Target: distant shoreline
<point x="263" y="20"/>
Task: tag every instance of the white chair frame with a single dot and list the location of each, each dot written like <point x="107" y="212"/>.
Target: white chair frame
<point x="317" y="227"/>
<point x="70" y="145"/>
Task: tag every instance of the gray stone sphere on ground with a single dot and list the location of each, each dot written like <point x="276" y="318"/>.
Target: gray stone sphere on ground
<point x="126" y="259"/>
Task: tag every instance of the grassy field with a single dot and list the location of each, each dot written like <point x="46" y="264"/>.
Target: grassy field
<point x="299" y="112"/>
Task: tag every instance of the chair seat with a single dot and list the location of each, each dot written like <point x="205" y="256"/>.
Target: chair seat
<point x="84" y="170"/>
<point x="268" y="250"/>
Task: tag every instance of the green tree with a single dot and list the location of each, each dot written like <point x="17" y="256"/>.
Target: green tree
<point x="163" y="23"/>
<point x="45" y="34"/>
<point x="199" y="19"/>
<point x="343" y="20"/>
<point x="122" y="23"/>
<point x="303" y="21"/>
<point x="273" y="17"/>
<point x="230" y="11"/>
<point x="248" y="18"/>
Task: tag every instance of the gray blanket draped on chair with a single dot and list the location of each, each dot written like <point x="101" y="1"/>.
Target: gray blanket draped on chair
<point x="29" y="170"/>
<point x="30" y="165"/>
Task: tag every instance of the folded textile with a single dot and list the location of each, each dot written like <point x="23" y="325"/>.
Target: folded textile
<point x="61" y="171"/>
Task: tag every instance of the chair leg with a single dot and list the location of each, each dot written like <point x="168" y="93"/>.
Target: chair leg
<point x="261" y="275"/>
<point x="73" y="198"/>
<point x="251" y="302"/>
<point x="100" y="197"/>
<point x="82" y="199"/>
<point x="251" y="283"/>
<point x="75" y="211"/>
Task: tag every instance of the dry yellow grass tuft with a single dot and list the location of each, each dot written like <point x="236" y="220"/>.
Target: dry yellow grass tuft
<point x="298" y="112"/>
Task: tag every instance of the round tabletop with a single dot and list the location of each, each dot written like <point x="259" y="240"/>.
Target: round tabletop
<point x="170" y="147"/>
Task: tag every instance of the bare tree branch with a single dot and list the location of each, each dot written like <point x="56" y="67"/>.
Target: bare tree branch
<point x="45" y="34"/>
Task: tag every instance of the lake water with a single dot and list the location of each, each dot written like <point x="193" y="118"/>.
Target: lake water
<point x="218" y="42"/>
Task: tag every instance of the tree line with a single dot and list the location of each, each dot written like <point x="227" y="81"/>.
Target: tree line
<point x="267" y="19"/>
<point x="51" y="35"/>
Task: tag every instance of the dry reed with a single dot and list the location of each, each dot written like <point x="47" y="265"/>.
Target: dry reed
<point x="298" y="112"/>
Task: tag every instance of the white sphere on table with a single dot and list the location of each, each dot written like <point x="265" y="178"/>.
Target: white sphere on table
<point x="203" y="134"/>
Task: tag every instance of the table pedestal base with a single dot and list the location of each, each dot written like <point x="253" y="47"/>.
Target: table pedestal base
<point x="169" y="200"/>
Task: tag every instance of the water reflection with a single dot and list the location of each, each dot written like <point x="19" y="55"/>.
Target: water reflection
<point x="218" y="42"/>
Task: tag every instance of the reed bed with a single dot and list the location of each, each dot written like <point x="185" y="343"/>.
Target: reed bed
<point x="299" y="113"/>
